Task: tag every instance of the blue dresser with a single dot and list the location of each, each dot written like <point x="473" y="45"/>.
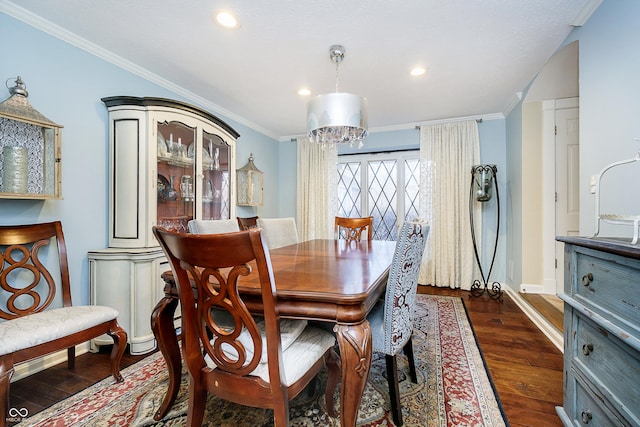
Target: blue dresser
<point x="601" y="333"/>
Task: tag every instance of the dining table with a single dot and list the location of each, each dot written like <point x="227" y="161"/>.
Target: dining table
<point x="321" y="280"/>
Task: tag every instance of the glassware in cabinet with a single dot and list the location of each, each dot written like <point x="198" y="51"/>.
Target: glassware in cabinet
<point x="216" y="155"/>
<point x="176" y="167"/>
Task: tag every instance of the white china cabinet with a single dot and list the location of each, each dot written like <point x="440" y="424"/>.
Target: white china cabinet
<point x="169" y="162"/>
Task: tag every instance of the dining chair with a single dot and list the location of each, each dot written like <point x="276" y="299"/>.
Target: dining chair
<point x="37" y="317"/>
<point x="279" y="232"/>
<point x="212" y="226"/>
<point x="351" y="228"/>
<point x="263" y="363"/>
<point x="247" y="223"/>
<point x="391" y="319"/>
<point x="215" y="226"/>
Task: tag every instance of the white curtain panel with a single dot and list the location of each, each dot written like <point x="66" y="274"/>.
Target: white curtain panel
<point x="316" y="192"/>
<point x="447" y="153"/>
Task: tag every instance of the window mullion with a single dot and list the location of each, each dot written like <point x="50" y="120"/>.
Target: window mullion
<point x="364" y="190"/>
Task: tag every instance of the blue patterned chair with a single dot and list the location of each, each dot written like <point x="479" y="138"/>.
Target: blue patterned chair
<point x="391" y="319"/>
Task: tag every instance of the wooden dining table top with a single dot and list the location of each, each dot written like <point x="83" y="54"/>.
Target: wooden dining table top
<point x="325" y="279"/>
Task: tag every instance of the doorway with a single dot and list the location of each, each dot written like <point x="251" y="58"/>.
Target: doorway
<point x="553" y="96"/>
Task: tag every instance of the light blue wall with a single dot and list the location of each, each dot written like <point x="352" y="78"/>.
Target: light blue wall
<point x="609" y="67"/>
<point x="513" y="223"/>
<point x="493" y="151"/>
<point x="65" y="84"/>
<point x="609" y="70"/>
<point x="407" y="139"/>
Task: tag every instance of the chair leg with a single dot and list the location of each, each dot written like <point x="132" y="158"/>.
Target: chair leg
<point x="408" y="350"/>
<point x="333" y="376"/>
<point x="71" y="357"/>
<point x="281" y="411"/>
<point x="119" y="346"/>
<point x="197" y="402"/>
<point x="6" y="372"/>
<point x="394" y="389"/>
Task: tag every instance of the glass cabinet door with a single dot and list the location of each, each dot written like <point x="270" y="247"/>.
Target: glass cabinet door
<point x="215" y="177"/>
<point x="175" y="186"/>
<point x="170" y="162"/>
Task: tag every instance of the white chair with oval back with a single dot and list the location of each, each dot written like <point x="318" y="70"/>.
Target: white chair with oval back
<point x="279" y="232"/>
<point x="213" y="226"/>
<point x="391" y="319"/>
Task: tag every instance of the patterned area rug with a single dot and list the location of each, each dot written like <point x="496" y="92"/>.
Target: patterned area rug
<point x="453" y="388"/>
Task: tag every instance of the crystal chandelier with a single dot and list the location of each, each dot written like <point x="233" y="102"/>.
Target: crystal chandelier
<point x="337" y="118"/>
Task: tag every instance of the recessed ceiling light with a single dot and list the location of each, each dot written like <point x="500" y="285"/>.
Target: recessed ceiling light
<point x="227" y="20"/>
<point x="418" y="71"/>
<point x="304" y="92"/>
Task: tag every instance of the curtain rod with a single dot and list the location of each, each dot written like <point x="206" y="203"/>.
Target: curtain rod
<point x="418" y="126"/>
<point x="401" y="150"/>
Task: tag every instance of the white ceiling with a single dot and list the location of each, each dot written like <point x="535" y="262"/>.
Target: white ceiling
<point x="478" y="53"/>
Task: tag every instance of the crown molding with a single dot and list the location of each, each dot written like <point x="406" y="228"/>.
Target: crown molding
<point x="515" y="100"/>
<point x="585" y="12"/>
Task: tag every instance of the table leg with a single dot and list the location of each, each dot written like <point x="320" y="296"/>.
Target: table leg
<point x="164" y="331"/>
<point x="355" y="351"/>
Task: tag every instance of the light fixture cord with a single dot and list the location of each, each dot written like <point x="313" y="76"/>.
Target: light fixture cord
<point x="337" y="65"/>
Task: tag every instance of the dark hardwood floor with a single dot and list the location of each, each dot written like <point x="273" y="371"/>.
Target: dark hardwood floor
<point x="525" y="367"/>
<point x="553" y="312"/>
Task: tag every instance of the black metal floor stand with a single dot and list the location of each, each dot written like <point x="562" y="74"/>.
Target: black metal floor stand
<point x="479" y="287"/>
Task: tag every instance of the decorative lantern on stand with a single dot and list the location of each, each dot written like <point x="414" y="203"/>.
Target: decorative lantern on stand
<point x="483" y="180"/>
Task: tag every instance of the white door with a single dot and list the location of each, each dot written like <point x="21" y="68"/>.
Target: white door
<point x="567" y="182"/>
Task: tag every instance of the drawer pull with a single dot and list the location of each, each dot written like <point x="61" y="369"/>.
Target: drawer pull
<point x="587" y="349"/>
<point x="586" y="417"/>
<point x="587" y="279"/>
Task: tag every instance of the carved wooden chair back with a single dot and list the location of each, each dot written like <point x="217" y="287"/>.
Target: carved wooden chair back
<point x="247" y="223"/>
<point x="351" y="228"/>
<point x="20" y="256"/>
<point x="261" y="361"/>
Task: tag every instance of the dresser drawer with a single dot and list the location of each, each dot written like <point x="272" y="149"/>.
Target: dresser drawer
<point x="608" y="363"/>
<point x="608" y="285"/>
<point x="587" y="411"/>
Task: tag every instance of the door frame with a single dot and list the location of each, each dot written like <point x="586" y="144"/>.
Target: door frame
<point x="549" y="107"/>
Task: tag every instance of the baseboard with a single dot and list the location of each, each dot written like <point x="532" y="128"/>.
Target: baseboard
<point x="556" y="337"/>
<point x="40" y="364"/>
<point x="531" y="289"/>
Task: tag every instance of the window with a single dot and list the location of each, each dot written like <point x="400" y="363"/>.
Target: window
<point x="383" y="185"/>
